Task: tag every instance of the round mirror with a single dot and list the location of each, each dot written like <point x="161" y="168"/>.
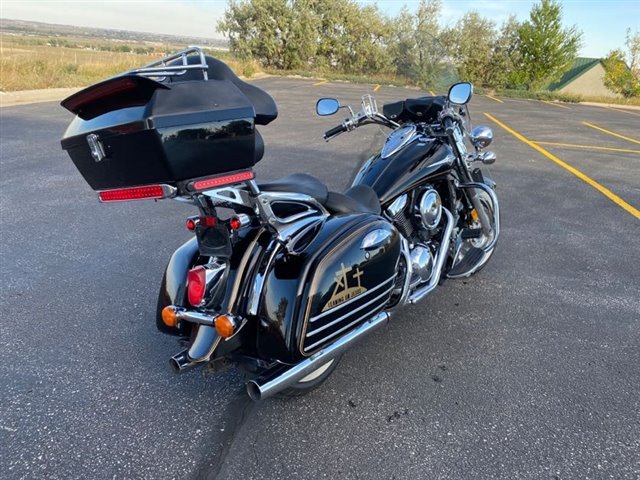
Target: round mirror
<point x="460" y="93"/>
<point x="327" y="106"/>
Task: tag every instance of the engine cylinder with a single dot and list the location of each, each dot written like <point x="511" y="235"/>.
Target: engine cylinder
<point x="430" y="209"/>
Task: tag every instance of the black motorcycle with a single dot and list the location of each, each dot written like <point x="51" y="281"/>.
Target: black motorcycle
<point x="282" y="277"/>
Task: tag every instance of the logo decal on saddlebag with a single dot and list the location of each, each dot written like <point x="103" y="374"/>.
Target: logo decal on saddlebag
<point x="345" y="288"/>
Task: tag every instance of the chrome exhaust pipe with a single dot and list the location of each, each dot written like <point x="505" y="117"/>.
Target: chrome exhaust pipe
<point x="203" y="346"/>
<point x="282" y="376"/>
<point x="420" y="293"/>
<point x="180" y="362"/>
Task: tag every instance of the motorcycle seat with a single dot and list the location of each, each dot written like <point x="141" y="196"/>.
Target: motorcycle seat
<point x="357" y="199"/>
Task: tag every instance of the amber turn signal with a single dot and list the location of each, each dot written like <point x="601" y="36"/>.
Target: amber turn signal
<point x="170" y="316"/>
<point x="225" y="325"/>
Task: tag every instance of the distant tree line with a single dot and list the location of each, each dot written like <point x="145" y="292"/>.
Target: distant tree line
<point x="349" y="37"/>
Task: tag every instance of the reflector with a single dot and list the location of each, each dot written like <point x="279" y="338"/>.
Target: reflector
<point x="225" y="325"/>
<point x="170" y="316"/>
<point x="219" y="181"/>
<point x="137" y="193"/>
<point x="235" y="223"/>
<point x="196" y="285"/>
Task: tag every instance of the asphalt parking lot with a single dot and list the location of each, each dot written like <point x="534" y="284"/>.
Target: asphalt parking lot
<point x="530" y="369"/>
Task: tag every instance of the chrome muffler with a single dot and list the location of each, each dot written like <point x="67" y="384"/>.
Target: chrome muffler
<point x="200" y="351"/>
<point x="280" y="377"/>
<point x="180" y="362"/>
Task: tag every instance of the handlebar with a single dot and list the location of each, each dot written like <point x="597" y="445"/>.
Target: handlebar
<point x="448" y="124"/>
<point x="335" y="131"/>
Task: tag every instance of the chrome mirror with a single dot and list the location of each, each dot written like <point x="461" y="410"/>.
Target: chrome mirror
<point x="327" y="106"/>
<point x="481" y="136"/>
<point x="460" y="93"/>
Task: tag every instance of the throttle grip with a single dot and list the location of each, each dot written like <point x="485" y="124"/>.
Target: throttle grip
<point x="334" y="131"/>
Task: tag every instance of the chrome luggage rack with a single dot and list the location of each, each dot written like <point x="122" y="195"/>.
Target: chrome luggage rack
<point x="160" y="70"/>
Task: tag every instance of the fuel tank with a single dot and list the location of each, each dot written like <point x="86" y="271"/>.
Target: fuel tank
<point x="393" y="174"/>
<point x="340" y="274"/>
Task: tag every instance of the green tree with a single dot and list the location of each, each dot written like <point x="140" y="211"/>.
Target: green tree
<point x="289" y="34"/>
<point x="258" y="29"/>
<point x="504" y="67"/>
<point x="403" y="48"/>
<point x="471" y="43"/>
<point x="622" y="69"/>
<point x="430" y="53"/>
<point x="547" y="48"/>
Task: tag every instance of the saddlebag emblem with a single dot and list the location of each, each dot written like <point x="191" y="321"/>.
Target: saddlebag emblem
<point x="343" y="291"/>
<point x="96" y="147"/>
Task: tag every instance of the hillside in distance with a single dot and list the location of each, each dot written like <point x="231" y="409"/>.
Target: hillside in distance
<point x="23" y="27"/>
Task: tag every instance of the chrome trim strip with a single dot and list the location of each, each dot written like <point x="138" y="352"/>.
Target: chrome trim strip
<point x="398" y="139"/>
<point x="346" y="327"/>
<point x="351" y="300"/>
<point x="255" y="293"/>
<point x="276" y="380"/>
<point x="237" y="284"/>
<point x="339" y="319"/>
<point x="194" y="317"/>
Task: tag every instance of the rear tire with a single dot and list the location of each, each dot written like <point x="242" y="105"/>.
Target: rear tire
<point x="302" y="387"/>
<point x="311" y="381"/>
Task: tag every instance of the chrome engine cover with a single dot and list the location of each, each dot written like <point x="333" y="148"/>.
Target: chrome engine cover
<point x="430" y="209"/>
<point x="421" y="264"/>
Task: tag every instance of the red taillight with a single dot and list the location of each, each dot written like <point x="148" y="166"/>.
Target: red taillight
<point x="137" y="193"/>
<point x="191" y="224"/>
<point x="208" y="221"/>
<point x="235" y="223"/>
<point x="196" y="285"/>
<point x="222" y="180"/>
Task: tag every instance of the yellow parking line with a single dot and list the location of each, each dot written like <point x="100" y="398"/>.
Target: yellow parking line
<point x="622" y="110"/>
<point x="494" y="99"/>
<point x="611" y="133"/>
<point x="555" y="104"/>
<point x="431" y="92"/>
<point x="376" y="87"/>
<point x="322" y="82"/>
<point x="588" y="147"/>
<point x="603" y="190"/>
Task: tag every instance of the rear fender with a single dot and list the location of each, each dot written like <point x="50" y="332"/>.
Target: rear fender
<point x="173" y="289"/>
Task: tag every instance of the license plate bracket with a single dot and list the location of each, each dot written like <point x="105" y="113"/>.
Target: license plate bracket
<point x="213" y="241"/>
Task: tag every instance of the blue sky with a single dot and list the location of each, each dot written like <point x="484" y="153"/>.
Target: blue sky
<point x="603" y="23"/>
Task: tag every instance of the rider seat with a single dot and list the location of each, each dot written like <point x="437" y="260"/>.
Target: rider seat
<point x="357" y="199"/>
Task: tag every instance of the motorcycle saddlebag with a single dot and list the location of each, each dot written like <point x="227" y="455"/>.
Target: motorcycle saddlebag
<point x="343" y="276"/>
<point x="132" y="130"/>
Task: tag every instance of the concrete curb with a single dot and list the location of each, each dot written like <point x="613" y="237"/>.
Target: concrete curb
<point x="611" y="105"/>
<point x="24" y="97"/>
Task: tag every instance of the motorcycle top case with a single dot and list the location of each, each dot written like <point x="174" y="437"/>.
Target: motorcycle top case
<point x="339" y="280"/>
<point x="131" y="130"/>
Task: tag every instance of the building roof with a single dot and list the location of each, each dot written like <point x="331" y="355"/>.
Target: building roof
<point x="580" y="65"/>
